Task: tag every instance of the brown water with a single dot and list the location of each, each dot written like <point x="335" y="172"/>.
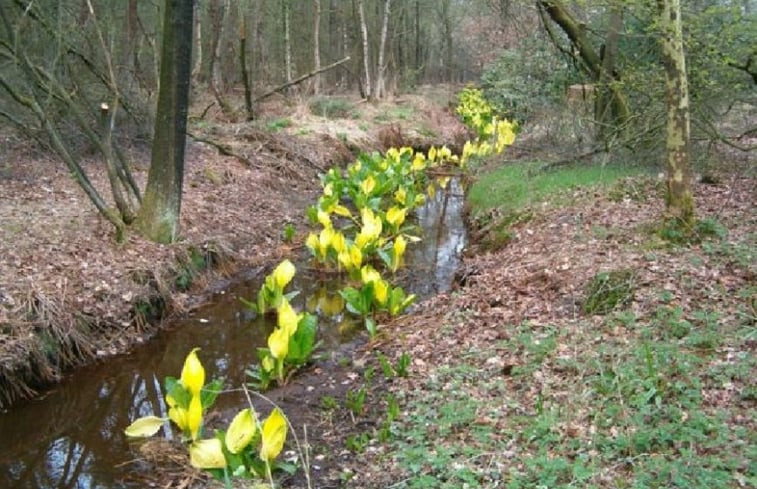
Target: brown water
<point x="72" y="436"/>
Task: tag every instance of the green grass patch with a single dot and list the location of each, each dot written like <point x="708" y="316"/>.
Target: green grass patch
<point x="276" y="125"/>
<point x="515" y="186"/>
<point x="607" y="290"/>
<point x="332" y="108"/>
<point x="636" y="410"/>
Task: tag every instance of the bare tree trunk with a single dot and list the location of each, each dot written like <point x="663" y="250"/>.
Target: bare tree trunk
<point x="381" y="68"/>
<point x="317" y="47"/>
<point x="680" y="199"/>
<point x="447" y="21"/>
<point x="287" y="41"/>
<point x="197" y="70"/>
<point x="158" y="216"/>
<point x="366" y="53"/>
<point x="608" y="107"/>
<point x="243" y="65"/>
<point x="218" y="17"/>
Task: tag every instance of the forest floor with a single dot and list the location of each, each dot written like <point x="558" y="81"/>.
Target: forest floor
<point x="506" y="381"/>
<point x="70" y="294"/>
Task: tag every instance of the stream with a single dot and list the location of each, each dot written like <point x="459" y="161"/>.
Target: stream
<point x="71" y="436"/>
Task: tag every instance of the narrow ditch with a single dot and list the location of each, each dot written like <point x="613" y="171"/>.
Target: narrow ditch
<point x="72" y="435"/>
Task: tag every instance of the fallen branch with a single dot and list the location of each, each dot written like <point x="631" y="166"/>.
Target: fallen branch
<point x="222" y="148"/>
<point x="300" y="79"/>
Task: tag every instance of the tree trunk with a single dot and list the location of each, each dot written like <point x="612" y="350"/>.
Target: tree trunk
<point x="317" y="47"/>
<point x="447" y="22"/>
<point x="587" y="56"/>
<point x="680" y="199"/>
<point x="608" y="106"/>
<point x="218" y="15"/>
<point x="197" y="70"/>
<point x="158" y="217"/>
<point x="243" y="65"/>
<point x="366" y="53"/>
<point x="287" y="41"/>
<point x="381" y="68"/>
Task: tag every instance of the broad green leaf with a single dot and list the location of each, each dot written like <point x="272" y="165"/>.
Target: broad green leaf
<point x="144" y="427"/>
<point x="207" y="454"/>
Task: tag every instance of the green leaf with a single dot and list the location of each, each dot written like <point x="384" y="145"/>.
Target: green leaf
<point x="370" y="326"/>
<point x="210" y="392"/>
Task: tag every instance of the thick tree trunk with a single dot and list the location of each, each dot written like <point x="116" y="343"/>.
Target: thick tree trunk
<point x="158" y="217"/>
<point x="197" y="70"/>
<point x="380" y="90"/>
<point x="680" y="199"/>
<point x="366" y="52"/>
<point x="317" y="47"/>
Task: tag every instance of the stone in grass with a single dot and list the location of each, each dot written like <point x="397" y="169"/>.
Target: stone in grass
<point x="607" y="290"/>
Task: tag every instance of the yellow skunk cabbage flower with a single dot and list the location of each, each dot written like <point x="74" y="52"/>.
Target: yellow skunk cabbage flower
<point x="324" y="240"/>
<point x="401" y="196"/>
<point x="241" y="431"/>
<point x="283" y="274"/>
<point x="419" y="162"/>
<point x="287" y="318"/>
<point x="193" y="374"/>
<point x="324" y="219"/>
<point x="371" y="229"/>
<point x="274" y="433"/>
<point x="445" y="153"/>
<point x="328" y="190"/>
<point x="399" y="250"/>
<point x="393" y="154"/>
<point x="278" y="343"/>
<point x="312" y="243"/>
<point x="178" y="415"/>
<point x="369" y="274"/>
<point x="351" y="258"/>
<point x="207" y="454"/>
<point x="406" y="149"/>
<point x="396" y="216"/>
<point x="432" y="153"/>
<point x="194" y="416"/>
<point x="368" y="185"/>
<point x="338" y="242"/>
<point x="381" y="291"/>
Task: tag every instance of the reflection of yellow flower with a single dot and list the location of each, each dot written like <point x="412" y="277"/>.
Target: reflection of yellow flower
<point x="207" y="454"/>
<point x="193" y="373"/>
<point x="278" y="343"/>
<point x="288" y="319"/>
<point x="274" y="434"/>
<point x="283" y="274"/>
<point x="241" y="431"/>
<point x="268" y="364"/>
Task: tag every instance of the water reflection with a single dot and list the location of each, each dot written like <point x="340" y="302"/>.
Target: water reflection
<point x="72" y="436"/>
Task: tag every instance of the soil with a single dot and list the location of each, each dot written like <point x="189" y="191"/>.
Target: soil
<point x="69" y="294"/>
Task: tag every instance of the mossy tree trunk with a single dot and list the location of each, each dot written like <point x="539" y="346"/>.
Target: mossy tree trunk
<point x="680" y="199"/>
<point x="158" y="217"/>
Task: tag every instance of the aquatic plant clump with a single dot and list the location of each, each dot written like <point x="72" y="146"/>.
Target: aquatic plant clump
<point x="247" y="448"/>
